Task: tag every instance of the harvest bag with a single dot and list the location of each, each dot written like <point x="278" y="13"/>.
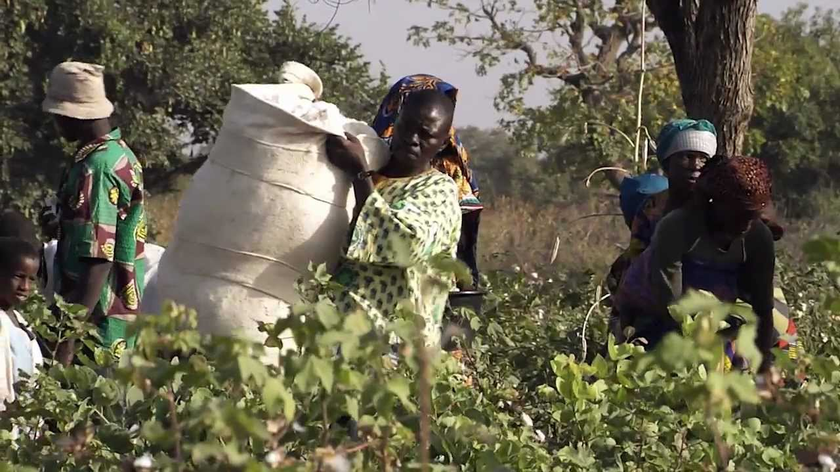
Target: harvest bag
<point x="264" y="205"/>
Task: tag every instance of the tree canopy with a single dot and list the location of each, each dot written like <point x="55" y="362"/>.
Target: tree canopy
<point x="169" y="67"/>
<point x="588" y="52"/>
<point x="797" y="88"/>
<point x="593" y="88"/>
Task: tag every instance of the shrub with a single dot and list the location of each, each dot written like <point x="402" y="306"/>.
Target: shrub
<point x="523" y="396"/>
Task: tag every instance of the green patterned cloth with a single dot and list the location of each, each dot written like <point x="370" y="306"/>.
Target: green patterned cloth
<point x="113" y="333"/>
<point x="101" y="216"/>
<point x="402" y="226"/>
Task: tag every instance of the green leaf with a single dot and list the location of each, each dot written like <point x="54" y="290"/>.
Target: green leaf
<point x="154" y="432"/>
<point x="251" y="368"/>
<point x="449" y="265"/>
<point x="602" y="369"/>
<point x="82" y="377"/>
<point x="322" y="274"/>
<point x="753" y="424"/>
<point x="822" y="250"/>
<point x="207" y="450"/>
<point x="352" y="406"/>
<point x="105" y="392"/>
<point x="745" y="345"/>
<point x="358" y="323"/>
<point x="6" y="467"/>
<point x="116" y="438"/>
<point x="675" y="351"/>
<point x="742" y="387"/>
<point x="772" y="456"/>
<point x="332" y="338"/>
<point x="275" y="394"/>
<point x="199" y="398"/>
<point x="350" y="379"/>
<point x="324" y="370"/>
<point x="695" y="302"/>
<point x="102" y="357"/>
<point x="400" y="387"/>
<point x="306" y="378"/>
<point x="327" y="314"/>
<point x="134" y="395"/>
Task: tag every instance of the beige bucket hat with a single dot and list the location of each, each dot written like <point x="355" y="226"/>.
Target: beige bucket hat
<point x="77" y="90"/>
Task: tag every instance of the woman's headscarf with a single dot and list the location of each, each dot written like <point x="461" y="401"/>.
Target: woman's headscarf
<point x="634" y="191"/>
<point x="686" y="135"/>
<point x="741" y="181"/>
<point x="453" y="160"/>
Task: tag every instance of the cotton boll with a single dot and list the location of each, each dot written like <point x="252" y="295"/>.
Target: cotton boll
<point x="527" y="420"/>
<point x="274" y="458"/>
<point x="337" y="463"/>
<point x="827" y="463"/>
<point x="143" y="462"/>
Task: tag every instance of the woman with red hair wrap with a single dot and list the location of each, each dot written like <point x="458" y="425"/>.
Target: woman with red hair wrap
<point x="716" y="243"/>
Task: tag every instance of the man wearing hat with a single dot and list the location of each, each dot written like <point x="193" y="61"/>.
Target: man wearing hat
<point x="102" y="222"/>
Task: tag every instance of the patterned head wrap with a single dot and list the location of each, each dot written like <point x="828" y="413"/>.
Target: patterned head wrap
<point x="686" y="135"/>
<point x="744" y="182"/>
<point x="454" y="159"/>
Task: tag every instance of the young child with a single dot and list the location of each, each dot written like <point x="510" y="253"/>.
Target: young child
<point x="19" y="351"/>
<point x="14" y="224"/>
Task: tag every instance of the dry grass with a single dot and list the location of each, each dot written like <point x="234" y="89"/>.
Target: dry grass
<point x="518" y="233"/>
<point x="513" y="232"/>
<point x="524" y="234"/>
<point x="162" y="208"/>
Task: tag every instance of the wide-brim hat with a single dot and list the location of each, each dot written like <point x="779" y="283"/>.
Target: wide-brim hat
<point x="77" y="90"/>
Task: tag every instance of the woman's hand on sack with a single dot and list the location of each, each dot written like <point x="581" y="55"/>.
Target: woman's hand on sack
<point x="347" y="154"/>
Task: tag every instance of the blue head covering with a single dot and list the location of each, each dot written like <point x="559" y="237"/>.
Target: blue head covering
<point x="635" y="190"/>
<point x="686" y="135"/>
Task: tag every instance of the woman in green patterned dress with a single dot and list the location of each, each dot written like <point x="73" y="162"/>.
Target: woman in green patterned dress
<point x="406" y="215"/>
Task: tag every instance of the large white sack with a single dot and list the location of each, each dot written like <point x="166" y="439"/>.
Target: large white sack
<point x="150" y="303"/>
<point x="264" y="205"/>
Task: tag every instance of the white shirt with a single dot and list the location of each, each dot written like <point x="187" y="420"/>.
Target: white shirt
<point x="12" y="339"/>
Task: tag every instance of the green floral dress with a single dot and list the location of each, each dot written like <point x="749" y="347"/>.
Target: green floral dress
<point x="402" y="226"/>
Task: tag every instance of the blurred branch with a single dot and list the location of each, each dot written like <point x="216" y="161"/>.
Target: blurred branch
<point x="336" y="5"/>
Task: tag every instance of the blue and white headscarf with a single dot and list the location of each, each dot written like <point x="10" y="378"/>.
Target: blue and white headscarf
<point x="686" y="135"/>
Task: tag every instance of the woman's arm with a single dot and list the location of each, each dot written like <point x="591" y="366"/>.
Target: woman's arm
<point x="362" y="189"/>
<point x="757" y="280"/>
<point x="671" y="241"/>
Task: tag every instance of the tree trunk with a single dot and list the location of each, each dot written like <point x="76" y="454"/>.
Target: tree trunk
<point x="712" y="45"/>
